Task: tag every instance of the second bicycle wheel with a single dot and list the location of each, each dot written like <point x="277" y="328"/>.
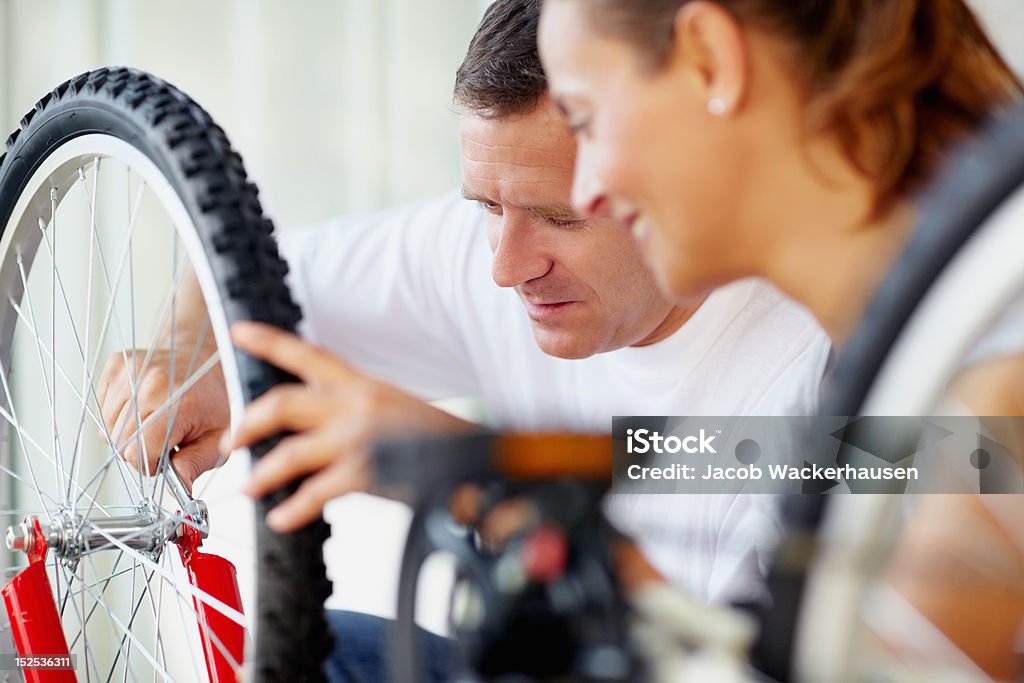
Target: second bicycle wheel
<point x="115" y="187"/>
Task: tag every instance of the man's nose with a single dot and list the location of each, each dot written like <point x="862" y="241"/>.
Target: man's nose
<point x="589" y="196"/>
<point x="519" y="255"/>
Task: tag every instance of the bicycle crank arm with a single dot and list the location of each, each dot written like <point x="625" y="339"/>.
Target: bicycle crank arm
<point x="32" y="611"/>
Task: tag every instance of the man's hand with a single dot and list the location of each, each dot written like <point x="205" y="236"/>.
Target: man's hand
<point x="336" y="415"/>
<point x="199" y="416"/>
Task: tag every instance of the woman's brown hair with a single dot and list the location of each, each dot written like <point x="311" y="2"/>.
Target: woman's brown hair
<point x="897" y="81"/>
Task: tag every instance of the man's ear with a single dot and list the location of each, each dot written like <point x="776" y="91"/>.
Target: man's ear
<point x="710" y="45"/>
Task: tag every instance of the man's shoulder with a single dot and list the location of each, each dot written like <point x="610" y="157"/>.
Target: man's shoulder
<point x="446" y="213"/>
<point x="448" y="209"/>
<point x="773" y="347"/>
<point x="754" y="302"/>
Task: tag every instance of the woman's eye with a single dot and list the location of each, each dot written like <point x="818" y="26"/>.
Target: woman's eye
<point x="578" y="127"/>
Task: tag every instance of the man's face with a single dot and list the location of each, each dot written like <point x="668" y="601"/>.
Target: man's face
<point x="582" y="282"/>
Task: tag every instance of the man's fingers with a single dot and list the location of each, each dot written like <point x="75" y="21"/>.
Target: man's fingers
<point x="295" y="456"/>
<point x="308" y="501"/>
<point x="196" y="458"/>
<point x="120" y="434"/>
<point x="112" y="403"/>
<point x="288" y="352"/>
<point x="288" y="407"/>
<point x="110" y="369"/>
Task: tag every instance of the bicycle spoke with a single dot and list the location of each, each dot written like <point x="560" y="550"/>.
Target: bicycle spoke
<point x="131" y="622"/>
<point x="99" y="423"/>
<point x="140" y="443"/>
<point x="116" y="624"/>
<point x="58" y="459"/>
<point x="188" y="641"/>
<point x="17" y="513"/>
<point x="76" y="460"/>
<point x="121" y="426"/>
<point x="172" y="420"/>
<point x="89" y="656"/>
<point x="157" y="636"/>
<point x="170" y="385"/>
<point x="58" y="368"/>
<point x="155" y="611"/>
<point x="13" y="420"/>
<point x="106" y="582"/>
<point x="42" y="364"/>
<point x="29" y="484"/>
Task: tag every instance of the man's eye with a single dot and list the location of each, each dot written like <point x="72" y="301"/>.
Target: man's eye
<point x="489" y="207"/>
<point x="566" y="222"/>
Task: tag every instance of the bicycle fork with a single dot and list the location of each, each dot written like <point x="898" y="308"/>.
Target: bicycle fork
<point x="32" y="608"/>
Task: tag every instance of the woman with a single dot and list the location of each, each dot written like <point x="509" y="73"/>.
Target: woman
<point x="785" y="139"/>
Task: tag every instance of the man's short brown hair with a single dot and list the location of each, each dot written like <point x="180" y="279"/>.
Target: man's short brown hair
<point x="501" y="74"/>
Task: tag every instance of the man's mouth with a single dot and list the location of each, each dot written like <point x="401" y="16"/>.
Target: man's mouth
<point x="542" y="312"/>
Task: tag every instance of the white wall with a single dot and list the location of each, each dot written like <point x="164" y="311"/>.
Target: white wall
<point x="336" y="105"/>
<point x="1004" y="20"/>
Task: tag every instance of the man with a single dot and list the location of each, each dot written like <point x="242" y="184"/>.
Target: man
<point x="575" y="332"/>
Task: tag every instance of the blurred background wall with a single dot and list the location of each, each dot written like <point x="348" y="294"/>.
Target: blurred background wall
<point x="336" y="105"/>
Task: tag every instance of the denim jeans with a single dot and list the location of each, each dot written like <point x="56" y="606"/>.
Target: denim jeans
<point x="362" y="651"/>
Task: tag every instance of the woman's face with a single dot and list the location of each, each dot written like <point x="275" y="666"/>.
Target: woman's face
<point x="649" y="151"/>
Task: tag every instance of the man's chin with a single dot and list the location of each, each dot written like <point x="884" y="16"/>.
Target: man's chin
<point x="561" y="344"/>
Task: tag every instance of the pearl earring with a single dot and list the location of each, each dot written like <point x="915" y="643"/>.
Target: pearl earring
<point x="716" y="106"/>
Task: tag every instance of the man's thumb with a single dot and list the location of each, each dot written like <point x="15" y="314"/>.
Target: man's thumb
<point x="196" y="458"/>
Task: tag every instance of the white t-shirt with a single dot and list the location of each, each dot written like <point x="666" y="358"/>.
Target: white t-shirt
<point x="406" y="295"/>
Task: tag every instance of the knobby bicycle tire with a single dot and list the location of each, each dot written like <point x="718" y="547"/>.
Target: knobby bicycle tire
<point x="208" y="176"/>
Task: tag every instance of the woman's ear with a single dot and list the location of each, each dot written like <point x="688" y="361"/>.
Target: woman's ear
<point x="710" y="47"/>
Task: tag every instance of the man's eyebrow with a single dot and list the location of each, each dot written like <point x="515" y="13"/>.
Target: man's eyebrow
<point x="555" y="212"/>
<point x="469" y="195"/>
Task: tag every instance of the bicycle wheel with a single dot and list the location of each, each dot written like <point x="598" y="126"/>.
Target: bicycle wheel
<point x="951" y="287"/>
<point x="113" y="186"/>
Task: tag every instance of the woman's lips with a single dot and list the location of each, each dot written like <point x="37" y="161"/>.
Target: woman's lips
<point x="639" y="226"/>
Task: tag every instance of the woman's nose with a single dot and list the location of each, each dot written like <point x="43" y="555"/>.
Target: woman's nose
<point x="589" y="197"/>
